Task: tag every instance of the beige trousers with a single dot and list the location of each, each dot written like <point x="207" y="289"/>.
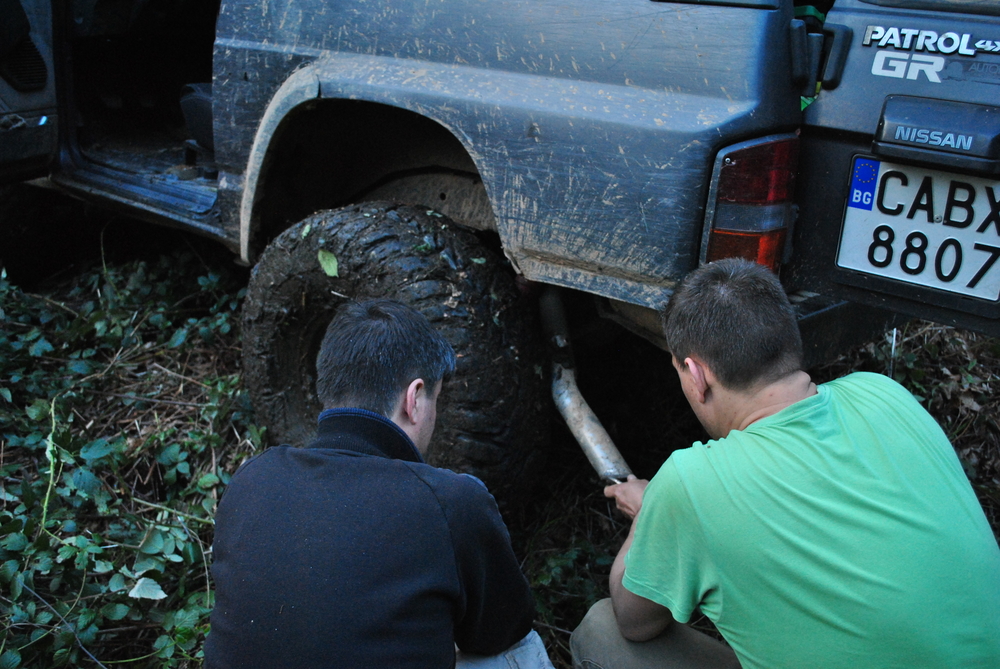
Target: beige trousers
<point x="597" y="644"/>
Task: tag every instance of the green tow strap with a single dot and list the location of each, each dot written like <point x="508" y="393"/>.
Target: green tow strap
<point x="808" y="10"/>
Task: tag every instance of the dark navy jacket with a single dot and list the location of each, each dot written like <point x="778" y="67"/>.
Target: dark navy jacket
<point x="354" y="553"/>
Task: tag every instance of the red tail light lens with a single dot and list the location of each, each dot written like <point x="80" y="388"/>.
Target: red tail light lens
<point x="753" y="208"/>
<point x="763" y="174"/>
<point x="763" y="248"/>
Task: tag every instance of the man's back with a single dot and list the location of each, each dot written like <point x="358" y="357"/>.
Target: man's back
<point x="337" y="555"/>
<point x="839" y="532"/>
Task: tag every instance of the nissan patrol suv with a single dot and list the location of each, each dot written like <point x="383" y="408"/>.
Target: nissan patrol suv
<point x="460" y="154"/>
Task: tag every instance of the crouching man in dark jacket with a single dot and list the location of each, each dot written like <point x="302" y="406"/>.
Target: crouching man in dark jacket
<point x="353" y="552"/>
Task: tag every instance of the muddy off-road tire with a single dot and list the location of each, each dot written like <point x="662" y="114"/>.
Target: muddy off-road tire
<point x="492" y="415"/>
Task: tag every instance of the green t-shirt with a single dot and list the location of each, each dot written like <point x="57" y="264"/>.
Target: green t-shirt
<point x="839" y="532"/>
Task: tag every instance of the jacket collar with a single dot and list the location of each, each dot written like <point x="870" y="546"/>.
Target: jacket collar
<point x="365" y="432"/>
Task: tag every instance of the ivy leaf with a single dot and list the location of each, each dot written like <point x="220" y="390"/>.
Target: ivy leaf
<point x="185" y="637"/>
<point x="96" y="449"/>
<point x="86" y="618"/>
<point x="40" y="348"/>
<point x="117" y="583"/>
<point x="147" y="588"/>
<point x="38" y="410"/>
<point x="185" y="618"/>
<point x="180" y="336"/>
<point x="10" y="659"/>
<point x="15" y="525"/>
<point x="170" y="455"/>
<point x="44" y="564"/>
<point x="144" y="563"/>
<point x="152" y="543"/>
<point x="164" y="646"/>
<point x="328" y="262"/>
<point x="114" y="611"/>
<point x="85" y="481"/>
<point x="8" y="570"/>
<point x="207" y="481"/>
<point x="79" y="366"/>
<point x="189" y="552"/>
<point x="15" y="543"/>
<point x="65" y="553"/>
<point x="4" y="393"/>
<point x="102" y="567"/>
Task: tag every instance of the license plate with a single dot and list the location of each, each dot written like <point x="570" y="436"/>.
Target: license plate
<point x="924" y="227"/>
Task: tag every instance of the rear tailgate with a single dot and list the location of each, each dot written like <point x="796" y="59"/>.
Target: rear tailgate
<point x="899" y="191"/>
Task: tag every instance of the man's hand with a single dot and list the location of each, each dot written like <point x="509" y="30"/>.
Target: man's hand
<point x="628" y="495"/>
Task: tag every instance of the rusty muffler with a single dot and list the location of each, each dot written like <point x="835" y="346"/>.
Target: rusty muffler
<point x="583" y="423"/>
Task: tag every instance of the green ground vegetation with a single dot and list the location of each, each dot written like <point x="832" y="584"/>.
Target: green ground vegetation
<point x="121" y="420"/>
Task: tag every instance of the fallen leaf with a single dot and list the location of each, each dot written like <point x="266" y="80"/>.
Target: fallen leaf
<point x="328" y="262"/>
<point x="147" y="588"/>
<point x="970" y="403"/>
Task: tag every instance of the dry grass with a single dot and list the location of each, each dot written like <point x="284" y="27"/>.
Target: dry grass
<point x="156" y="394"/>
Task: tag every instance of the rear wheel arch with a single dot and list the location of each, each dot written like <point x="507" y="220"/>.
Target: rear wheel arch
<point x="382" y="188"/>
<point x="312" y="153"/>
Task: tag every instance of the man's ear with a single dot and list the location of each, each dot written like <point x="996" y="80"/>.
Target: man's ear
<point x="701" y="378"/>
<point x="413" y="399"/>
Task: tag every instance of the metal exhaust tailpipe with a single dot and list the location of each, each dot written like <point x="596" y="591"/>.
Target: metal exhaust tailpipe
<point x="583" y="423"/>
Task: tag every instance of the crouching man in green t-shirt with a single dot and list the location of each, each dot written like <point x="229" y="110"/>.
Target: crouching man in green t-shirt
<point x="821" y="526"/>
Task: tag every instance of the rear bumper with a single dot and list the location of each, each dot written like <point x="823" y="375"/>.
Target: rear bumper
<point x="823" y="187"/>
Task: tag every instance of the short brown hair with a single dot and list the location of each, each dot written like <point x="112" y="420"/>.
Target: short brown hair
<point x="734" y="315"/>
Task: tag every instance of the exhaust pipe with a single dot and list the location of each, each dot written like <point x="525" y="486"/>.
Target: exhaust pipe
<point x="580" y="418"/>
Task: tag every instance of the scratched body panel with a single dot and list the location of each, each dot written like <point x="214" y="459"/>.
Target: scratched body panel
<point x="593" y="124"/>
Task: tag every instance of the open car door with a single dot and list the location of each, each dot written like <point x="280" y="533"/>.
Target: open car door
<point x="28" y="128"/>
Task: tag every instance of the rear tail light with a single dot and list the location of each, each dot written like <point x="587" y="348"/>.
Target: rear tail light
<point x="750" y="205"/>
